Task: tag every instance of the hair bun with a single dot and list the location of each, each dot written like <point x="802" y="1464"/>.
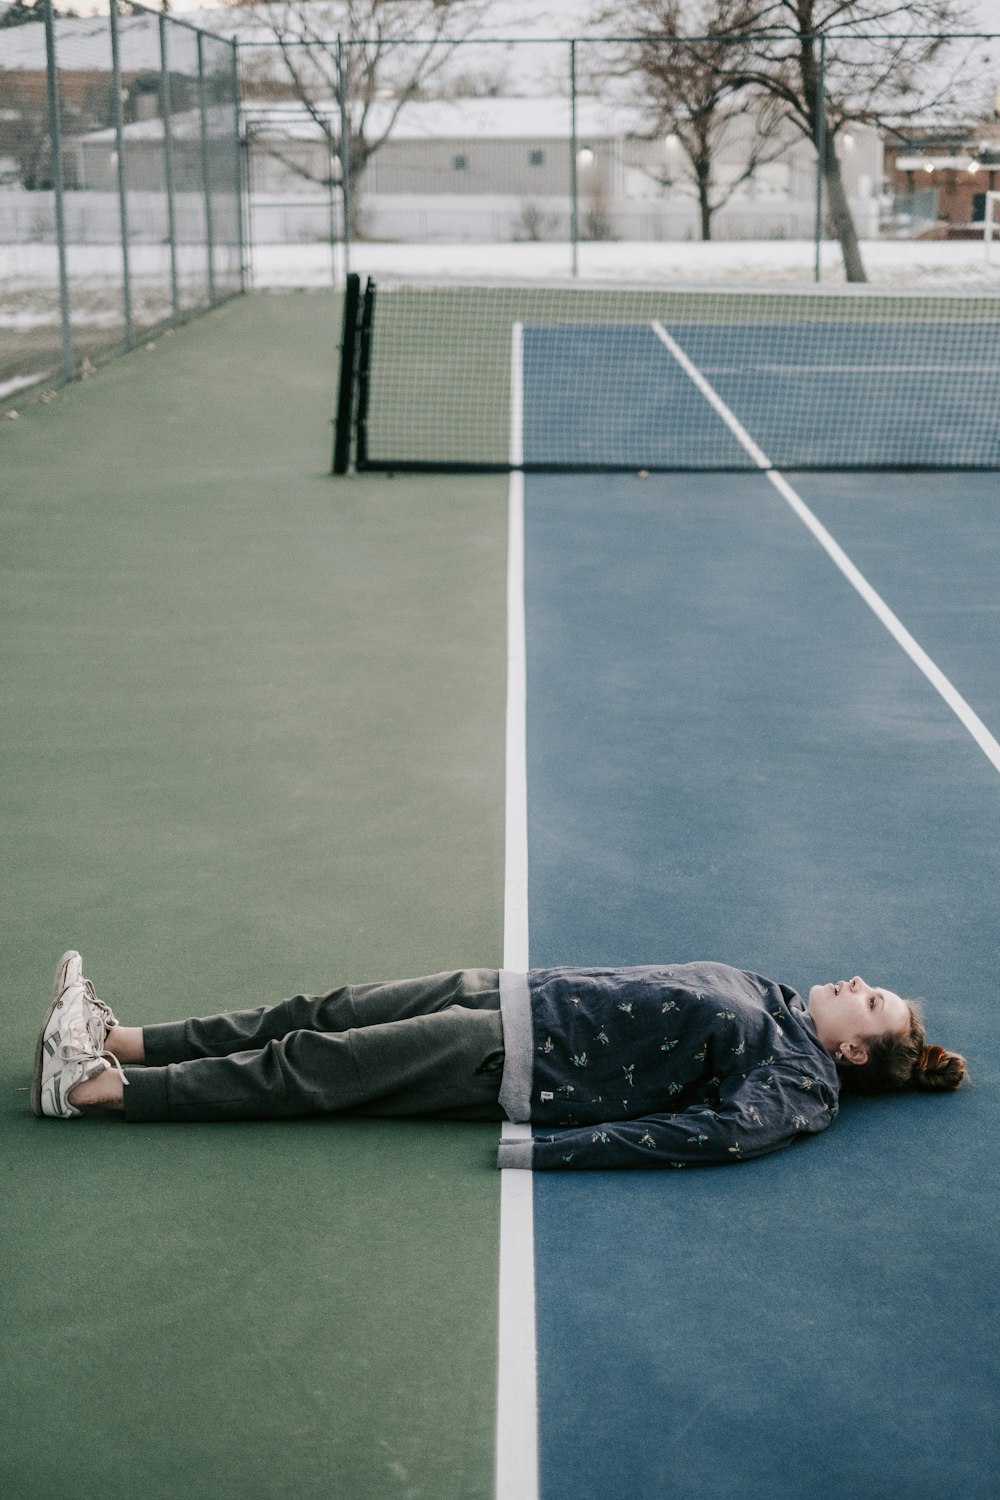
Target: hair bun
<point x="936" y="1068"/>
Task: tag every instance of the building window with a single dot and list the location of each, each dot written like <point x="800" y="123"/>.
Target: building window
<point x="460" y="163"/>
<point x="536" y="158"/>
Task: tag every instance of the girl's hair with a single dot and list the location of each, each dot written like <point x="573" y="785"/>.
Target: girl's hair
<point x="902" y="1060"/>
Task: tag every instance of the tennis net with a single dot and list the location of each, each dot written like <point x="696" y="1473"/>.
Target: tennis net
<point x="496" y="377"/>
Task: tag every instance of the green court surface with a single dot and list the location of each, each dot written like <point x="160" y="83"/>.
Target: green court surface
<point x="253" y="744"/>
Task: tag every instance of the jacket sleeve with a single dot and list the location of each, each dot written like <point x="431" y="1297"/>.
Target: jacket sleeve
<point x="767" y="1110"/>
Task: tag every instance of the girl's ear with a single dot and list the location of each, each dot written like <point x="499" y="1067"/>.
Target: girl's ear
<point x="854" y="1052"/>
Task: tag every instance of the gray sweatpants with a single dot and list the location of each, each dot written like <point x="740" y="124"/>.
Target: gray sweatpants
<point x="430" y="1046"/>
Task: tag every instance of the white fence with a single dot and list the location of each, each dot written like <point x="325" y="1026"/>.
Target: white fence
<point x="503" y="219"/>
<point x="93" y="218"/>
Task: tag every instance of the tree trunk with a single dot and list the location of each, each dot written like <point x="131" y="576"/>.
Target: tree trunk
<point x="359" y="153"/>
<point x="814" y="98"/>
<point x="705" y="209"/>
<point x="843" y="220"/>
<point x="702" y="164"/>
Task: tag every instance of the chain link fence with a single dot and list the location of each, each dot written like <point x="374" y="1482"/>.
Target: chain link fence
<point x="120" y="185"/>
<point x="643" y="159"/>
<point x="125" y="139"/>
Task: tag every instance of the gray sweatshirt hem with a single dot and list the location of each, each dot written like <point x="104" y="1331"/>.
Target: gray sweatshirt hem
<point x="518" y="1042"/>
<point x="515" y="1154"/>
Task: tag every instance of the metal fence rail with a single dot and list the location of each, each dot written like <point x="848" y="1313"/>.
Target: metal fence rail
<point x="121" y="197"/>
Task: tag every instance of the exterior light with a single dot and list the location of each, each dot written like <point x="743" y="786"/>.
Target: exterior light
<point x="585" y="156"/>
<point x="973" y="166"/>
<point x="928" y="166"/>
<point x="848" y="142"/>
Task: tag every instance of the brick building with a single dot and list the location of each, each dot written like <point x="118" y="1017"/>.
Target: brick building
<point x="939" y="176"/>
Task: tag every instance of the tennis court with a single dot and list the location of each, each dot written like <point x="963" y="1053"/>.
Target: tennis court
<point x="723" y="740"/>
<point x="733" y="748"/>
<point x="253" y="739"/>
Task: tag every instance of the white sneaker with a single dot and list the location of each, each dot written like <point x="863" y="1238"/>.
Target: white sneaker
<point x="71" y="1045"/>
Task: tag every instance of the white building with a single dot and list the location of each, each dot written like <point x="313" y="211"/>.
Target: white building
<point x="454" y="169"/>
<point x="502" y="169"/>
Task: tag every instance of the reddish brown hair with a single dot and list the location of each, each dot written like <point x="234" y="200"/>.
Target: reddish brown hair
<point x="903" y="1060"/>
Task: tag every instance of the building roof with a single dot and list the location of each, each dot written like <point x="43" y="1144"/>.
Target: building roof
<point x="433" y="119"/>
<point x="183" y="125"/>
<point x="473" y="119"/>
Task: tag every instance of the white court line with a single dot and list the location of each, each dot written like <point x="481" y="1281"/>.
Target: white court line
<point x="517" y="1410"/>
<point x="973" y="723"/>
<point x="759" y="367"/>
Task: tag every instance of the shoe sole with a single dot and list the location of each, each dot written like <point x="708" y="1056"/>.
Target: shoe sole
<point x="58" y="988"/>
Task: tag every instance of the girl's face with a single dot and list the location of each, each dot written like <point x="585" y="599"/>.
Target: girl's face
<point x="849" y="1012"/>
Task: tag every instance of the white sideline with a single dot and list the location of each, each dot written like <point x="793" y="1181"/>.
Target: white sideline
<point x="962" y="710"/>
<point x="516" y="1472"/>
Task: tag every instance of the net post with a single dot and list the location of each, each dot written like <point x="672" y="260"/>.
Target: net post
<point x="348" y="365"/>
<point x="364" y="365"/>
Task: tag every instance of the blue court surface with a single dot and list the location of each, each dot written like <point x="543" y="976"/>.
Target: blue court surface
<point x="813" y="394"/>
<point x="730" y="757"/>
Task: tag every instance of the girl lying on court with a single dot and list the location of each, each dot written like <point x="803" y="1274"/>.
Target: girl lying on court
<point x="634" y="1067"/>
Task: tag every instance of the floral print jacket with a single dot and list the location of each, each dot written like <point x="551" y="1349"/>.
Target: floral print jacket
<point x="658" y="1066"/>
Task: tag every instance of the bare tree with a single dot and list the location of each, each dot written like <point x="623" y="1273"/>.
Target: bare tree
<point x="684" y="59"/>
<point x="882" y="63"/>
<point x="391" y="53"/>
<point x="911" y="69"/>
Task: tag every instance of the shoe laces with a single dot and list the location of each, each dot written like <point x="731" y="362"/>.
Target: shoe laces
<point x="79" y="1044"/>
<point x="100" y="1018"/>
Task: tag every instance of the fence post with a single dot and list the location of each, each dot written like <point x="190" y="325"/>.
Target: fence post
<point x="820" y="154"/>
<point x="249" y="188"/>
<point x="574" y="224"/>
<point x="332" y="217"/>
<point x="238" y="165"/>
<point x="168" y="162"/>
<point x="116" y="85"/>
<point x="206" y="177"/>
<point x="55" y="134"/>
<point x="345" y="155"/>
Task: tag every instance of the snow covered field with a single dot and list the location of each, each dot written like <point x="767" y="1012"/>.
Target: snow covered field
<point x="29" y="277"/>
<point x="930" y="264"/>
<point x="29" y="273"/>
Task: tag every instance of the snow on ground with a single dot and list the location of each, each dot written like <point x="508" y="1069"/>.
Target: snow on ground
<point x="29" y="274"/>
<point x="8" y="387"/>
<point x="932" y="264"/>
<point x="944" y="264"/>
